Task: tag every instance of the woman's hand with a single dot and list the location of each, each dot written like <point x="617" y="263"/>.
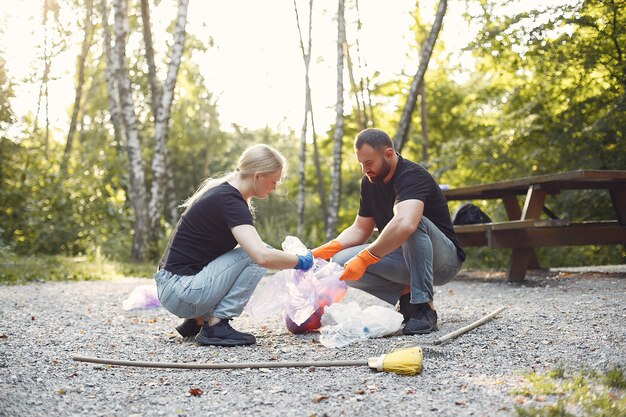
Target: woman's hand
<point x="304" y="261"/>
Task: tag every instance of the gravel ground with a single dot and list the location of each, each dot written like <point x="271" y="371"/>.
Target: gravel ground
<point x="575" y="320"/>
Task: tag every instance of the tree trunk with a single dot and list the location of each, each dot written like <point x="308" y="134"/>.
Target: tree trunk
<point x="155" y="94"/>
<point x="427" y="50"/>
<point x="425" y="139"/>
<point x="133" y="145"/>
<point x="110" y="73"/>
<point x="360" y="116"/>
<point x="306" y="56"/>
<point x="171" y="205"/>
<point x="79" y="87"/>
<point x="163" y="117"/>
<point x="335" y="172"/>
<point x="43" y="88"/>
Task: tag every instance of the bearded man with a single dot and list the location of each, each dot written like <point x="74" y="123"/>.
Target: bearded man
<point x="416" y="247"/>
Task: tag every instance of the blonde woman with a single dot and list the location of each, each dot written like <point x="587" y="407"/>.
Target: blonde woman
<point x="215" y="257"/>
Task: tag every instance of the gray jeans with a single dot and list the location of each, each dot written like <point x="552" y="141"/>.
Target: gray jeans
<point x="222" y="289"/>
<point x="425" y="259"/>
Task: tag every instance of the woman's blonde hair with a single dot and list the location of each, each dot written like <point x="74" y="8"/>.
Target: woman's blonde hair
<point x="260" y="158"/>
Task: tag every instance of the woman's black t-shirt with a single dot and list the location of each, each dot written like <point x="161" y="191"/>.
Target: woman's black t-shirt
<point x="410" y="181"/>
<point x="204" y="231"/>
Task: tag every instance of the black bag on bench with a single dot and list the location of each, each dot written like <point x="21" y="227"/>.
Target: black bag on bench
<point x="469" y="214"/>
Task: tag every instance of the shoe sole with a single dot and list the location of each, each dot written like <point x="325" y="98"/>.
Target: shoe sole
<point x="183" y="333"/>
<point x="425" y="331"/>
<point x="214" y="341"/>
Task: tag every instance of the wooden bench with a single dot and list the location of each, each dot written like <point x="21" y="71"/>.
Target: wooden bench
<point x="540" y="233"/>
<point x="525" y="230"/>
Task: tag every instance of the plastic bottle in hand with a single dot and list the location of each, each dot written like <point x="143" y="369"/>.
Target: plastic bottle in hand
<point x="292" y="245"/>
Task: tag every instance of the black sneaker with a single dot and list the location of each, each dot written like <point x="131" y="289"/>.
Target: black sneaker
<point x="188" y="328"/>
<point x="221" y="334"/>
<point x="423" y="321"/>
<point x="406" y="308"/>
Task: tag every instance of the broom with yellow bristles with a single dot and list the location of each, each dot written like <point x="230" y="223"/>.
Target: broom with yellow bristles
<point x="403" y="361"/>
<point x="407" y="361"/>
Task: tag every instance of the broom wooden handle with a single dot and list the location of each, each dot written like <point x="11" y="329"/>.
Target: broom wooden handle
<point x="469" y="327"/>
<point x="175" y="365"/>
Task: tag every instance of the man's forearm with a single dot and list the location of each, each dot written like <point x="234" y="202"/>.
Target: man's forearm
<point x="353" y="236"/>
<point x="395" y="234"/>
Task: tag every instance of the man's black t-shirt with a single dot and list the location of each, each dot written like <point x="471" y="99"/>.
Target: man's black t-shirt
<point x="410" y="181"/>
<point x="204" y="232"/>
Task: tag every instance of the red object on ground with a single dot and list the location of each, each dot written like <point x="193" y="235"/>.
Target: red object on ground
<point x="310" y="324"/>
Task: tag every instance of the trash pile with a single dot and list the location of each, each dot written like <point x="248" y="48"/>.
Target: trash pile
<point x="309" y="300"/>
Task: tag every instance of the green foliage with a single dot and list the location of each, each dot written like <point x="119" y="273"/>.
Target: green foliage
<point x="547" y="95"/>
<point x="572" y="394"/>
<point x="16" y="270"/>
<point x="6" y="93"/>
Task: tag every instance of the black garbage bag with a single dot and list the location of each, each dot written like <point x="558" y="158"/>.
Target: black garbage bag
<point x="468" y="213"/>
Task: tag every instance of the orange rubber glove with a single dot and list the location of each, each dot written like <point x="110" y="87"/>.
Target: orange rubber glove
<point x="355" y="267"/>
<point x="327" y="250"/>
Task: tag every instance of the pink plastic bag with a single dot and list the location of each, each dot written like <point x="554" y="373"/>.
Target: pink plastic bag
<point x="300" y="296"/>
<point x="144" y="296"/>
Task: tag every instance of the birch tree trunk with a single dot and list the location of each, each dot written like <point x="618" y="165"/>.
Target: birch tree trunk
<point x="423" y="115"/>
<point x="308" y="111"/>
<point x="152" y="74"/>
<point x="418" y="79"/>
<point x="321" y="190"/>
<point x="335" y="171"/>
<point x="360" y="115"/>
<point x="162" y="117"/>
<point x="43" y="88"/>
<point x="79" y="87"/>
<point x="133" y="145"/>
<point x="110" y="73"/>
<point x="306" y="57"/>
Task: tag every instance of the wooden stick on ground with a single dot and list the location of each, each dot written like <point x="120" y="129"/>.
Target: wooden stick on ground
<point x="469" y="327"/>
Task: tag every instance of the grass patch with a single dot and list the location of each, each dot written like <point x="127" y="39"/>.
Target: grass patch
<point x="574" y="394"/>
<point x="16" y="270"/>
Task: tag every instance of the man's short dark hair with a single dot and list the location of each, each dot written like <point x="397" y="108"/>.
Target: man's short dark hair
<point x="375" y="138"/>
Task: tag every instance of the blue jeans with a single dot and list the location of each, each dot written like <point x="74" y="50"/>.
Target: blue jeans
<point x="425" y="259"/>
<point x="222" y="289"/>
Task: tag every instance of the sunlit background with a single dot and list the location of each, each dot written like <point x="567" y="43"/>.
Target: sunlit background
<point x="255" y="66"/>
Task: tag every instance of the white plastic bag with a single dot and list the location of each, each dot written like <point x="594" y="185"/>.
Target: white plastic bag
<point x="343" y="324"/>
<point x="144" y="296"/>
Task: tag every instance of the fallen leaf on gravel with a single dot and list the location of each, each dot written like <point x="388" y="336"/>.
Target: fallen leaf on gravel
<point x="196" y="392"/>
<point x="317" y="398"/>
<point x="62" y="391"/>
<point x="4" y="336"/>
<point x="358" y="391"/>
<point x="151" y="320"/>
<point x="459" y="403"/>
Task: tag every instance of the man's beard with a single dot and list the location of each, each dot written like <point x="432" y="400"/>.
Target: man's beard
<point x="382" y="174"/>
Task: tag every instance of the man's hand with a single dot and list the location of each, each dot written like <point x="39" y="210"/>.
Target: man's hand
<point x="304" y="261"/>
<point x="355" y="267"/>
<point x="327" y="250"/>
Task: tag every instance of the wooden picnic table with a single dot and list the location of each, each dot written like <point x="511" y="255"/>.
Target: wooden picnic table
<point x="525" y="230"/>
